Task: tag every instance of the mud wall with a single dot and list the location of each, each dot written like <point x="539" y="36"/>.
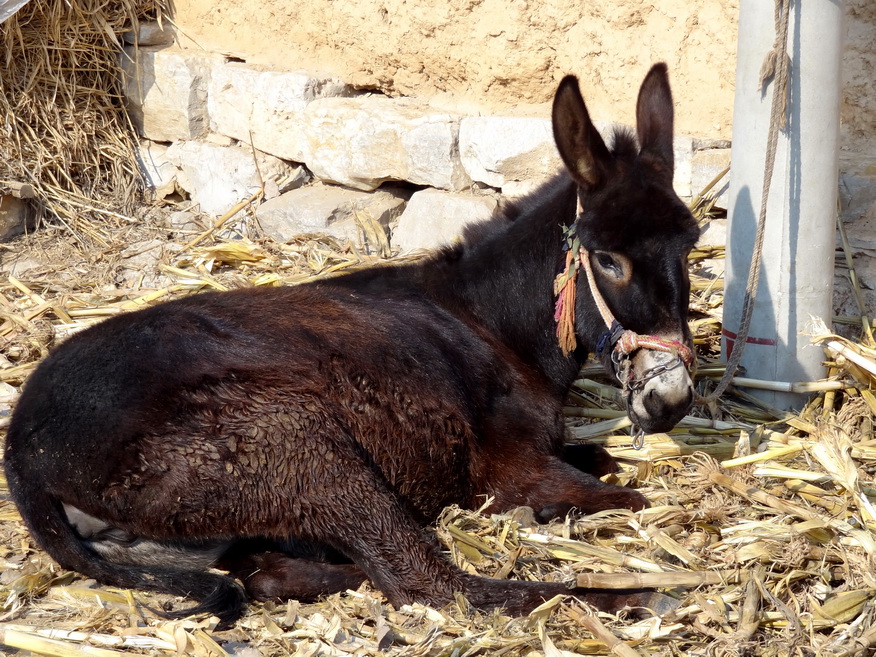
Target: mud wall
<point x="505" y="56"/>
<point x="494" y="56"/>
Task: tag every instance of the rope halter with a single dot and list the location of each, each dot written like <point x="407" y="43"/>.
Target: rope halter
<point x="617" y="342"/>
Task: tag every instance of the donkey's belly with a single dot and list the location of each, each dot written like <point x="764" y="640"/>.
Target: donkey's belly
<point x="120" y="546"/>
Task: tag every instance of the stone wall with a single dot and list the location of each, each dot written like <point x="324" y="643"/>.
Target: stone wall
<point x="496" y="56"/>
<point x="469" y="144"/>
<point x="489" y="56"/>
<point x="421" y="172"/>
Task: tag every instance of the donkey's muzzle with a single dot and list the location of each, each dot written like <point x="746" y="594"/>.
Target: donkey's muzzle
<point x="659" y="390"/>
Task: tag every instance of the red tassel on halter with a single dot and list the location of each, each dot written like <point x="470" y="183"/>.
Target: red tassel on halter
<point x="564" y="311"/>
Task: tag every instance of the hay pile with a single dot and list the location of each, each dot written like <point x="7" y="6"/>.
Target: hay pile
<point x="64" y="128"/>
<point x="761" y="525"/>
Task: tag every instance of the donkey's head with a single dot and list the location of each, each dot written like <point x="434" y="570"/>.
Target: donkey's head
<point x="635" y="235"/>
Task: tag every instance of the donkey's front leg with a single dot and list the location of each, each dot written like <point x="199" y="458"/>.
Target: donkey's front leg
<point x="590" y="458"/>
<point x="553" y="488"/>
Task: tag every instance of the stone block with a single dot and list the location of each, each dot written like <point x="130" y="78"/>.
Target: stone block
<point x="514" y="189"/>
<point x="147" y="253"/>
<point x="857" y="185"/>
<point x="328" y="209"/>
<point x="166" y="91"/>
<point x="714" y="233"/>
<point x="365" y="141"/>
<point x="185" y="222"/>
<point x="865" y="269"/>
<point x="19" y="265"/>
<point x="861" y="233"/>
<point x="139" y="264"/>
<point x="844" y="299"/>
<point x="501" y="150"/>
<point x="150" y="33"/>
<point x="434" y="218"/>
<point x="13" y="217"/>
<point x="266" y="108"/>
<point x="217" y="177"/>
<point x="158" y="171"/>
<point x="8" y="397"/>
<point x="712" y="268"/>
<point x="682" y="150"/>
<point x="705" y="166"/>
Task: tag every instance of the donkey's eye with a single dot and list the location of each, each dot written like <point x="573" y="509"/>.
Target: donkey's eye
<point x="606" y="260"/>
<point x="616" y="268"/>
<point x="610" y="264"/>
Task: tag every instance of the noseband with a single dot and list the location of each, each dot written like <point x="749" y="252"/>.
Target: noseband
<point x="617" y="342"/>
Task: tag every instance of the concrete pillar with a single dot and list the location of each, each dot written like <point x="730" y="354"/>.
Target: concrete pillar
<point x="796" y="279"/>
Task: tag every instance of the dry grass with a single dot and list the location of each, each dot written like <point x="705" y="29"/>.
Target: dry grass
<point x="761" y="523"/>
<point x="64" y="127"/>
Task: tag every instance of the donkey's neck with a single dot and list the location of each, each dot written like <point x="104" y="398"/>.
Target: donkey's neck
<point x="503" y="280"/>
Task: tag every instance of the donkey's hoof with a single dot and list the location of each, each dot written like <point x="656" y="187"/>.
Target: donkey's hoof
<point x="653" y="604"/>
<point x="592" y="459"/>
<point x="615" y="498"/>
<point x="637" y="603"/>
<point x="627" y="498"/>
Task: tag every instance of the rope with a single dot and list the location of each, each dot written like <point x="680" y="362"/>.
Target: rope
<point x="564" y="314"/>
<point x="604" y="311"/>
<point x="630" y="342"/>
<point x="777" y="65"/>
<point x="627" y="342"/>
<point x="616" y="339"/>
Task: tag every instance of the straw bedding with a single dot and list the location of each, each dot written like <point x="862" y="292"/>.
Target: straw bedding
<point x="761" y="522"/>
<point x="761" y="525"/>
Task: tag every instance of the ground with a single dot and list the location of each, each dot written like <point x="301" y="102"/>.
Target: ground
<point x="770" y="553"/>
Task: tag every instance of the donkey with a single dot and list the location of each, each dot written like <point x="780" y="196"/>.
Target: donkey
<point x="303" y="437"/>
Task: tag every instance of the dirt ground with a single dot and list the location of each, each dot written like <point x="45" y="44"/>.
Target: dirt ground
<point x="774" y="545"/>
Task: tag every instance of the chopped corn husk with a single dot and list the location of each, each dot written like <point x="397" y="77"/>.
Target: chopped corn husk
<point x="761" y="524"/>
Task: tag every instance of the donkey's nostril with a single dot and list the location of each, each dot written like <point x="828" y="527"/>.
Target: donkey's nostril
<point x="664" y="408"/>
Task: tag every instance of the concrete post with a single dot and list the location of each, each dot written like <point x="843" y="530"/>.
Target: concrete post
<point x="796" y="279"/>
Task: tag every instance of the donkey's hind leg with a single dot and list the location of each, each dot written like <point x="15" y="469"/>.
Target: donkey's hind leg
<point x="406" y="566"/>
<point x="383" y="539"/>
<point x="519" y="597"/>
<point x="343" y="504"/>
<point x="387" y="545"/>
<point x="277" y="576"/>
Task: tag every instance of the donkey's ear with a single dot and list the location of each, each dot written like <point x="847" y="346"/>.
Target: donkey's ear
<point x="654" y="117"/>
<point x="577" y="139"/>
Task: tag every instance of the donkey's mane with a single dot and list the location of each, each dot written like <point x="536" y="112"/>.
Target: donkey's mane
<point x="505" y="217"/>
<point x="623" y="143"/>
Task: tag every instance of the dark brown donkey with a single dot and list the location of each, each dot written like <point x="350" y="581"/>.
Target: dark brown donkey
<point x="304" y="436"/>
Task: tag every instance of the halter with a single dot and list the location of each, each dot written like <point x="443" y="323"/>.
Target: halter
<point x="616" y="341"/>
